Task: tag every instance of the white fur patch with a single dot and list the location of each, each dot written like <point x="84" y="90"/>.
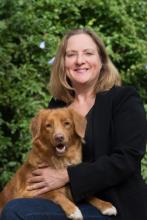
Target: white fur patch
<point x="77" y="215"/>
<point x="110" y="211"/>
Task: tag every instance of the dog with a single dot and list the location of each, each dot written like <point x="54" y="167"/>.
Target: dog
<point x="57" y="139"/>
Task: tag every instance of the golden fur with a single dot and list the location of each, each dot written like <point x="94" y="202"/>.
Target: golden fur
<point x="57" y="140"/>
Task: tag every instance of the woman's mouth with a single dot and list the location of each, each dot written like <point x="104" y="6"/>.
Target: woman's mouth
<point x="81" y="70"/>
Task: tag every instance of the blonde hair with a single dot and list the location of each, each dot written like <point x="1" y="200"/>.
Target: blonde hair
<point x="60" y="86"/>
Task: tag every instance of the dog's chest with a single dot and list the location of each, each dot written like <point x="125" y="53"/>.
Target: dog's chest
<point x="60" y="163"/>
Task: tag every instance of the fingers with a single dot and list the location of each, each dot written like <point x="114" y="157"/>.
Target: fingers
<point x="37" y="186"/>
<point x="42" y="165"/>
<point x="40" y="191"/>
<point x="35" y="179"/>
<point x="37" y="172"/>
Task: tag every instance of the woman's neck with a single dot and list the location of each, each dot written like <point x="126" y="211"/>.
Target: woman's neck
<point x="83" y="101"/>
<point x="82" y="98"/>
<point x="84" y="93"/>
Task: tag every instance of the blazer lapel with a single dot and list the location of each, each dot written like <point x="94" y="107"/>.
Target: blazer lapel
<point x="101" y="123"/>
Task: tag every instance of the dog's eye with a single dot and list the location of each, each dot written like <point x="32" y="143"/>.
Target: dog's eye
<point x="48" y="125"/>
<point x="66" y="123"/>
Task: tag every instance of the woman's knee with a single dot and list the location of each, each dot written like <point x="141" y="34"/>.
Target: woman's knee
<point x="10" y="210"/>
<point x="38" y="209"/>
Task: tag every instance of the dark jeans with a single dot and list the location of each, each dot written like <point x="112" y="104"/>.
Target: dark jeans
<point x="42" y="209"/>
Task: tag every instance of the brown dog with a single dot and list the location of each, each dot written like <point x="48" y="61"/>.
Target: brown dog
<point x="57" y="140"/>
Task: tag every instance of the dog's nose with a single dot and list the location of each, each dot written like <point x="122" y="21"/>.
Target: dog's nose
<point x="59" y="137"/>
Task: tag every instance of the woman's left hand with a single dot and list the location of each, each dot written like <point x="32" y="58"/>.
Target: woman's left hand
<point x="45" y="179"/>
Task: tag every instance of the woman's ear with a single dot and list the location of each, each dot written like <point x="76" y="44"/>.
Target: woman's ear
<point x="80" y="123"/>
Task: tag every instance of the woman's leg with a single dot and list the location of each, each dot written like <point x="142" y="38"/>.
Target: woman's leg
<point x="42" y="209"/>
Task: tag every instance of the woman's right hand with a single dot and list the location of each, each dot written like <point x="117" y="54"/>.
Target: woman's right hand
<point x="45" y="179"/>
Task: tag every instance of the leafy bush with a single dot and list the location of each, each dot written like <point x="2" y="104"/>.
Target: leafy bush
<point x="29" y="34"/>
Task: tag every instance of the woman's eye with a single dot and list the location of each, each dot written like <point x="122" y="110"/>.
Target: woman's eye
<point x="70" y="55"/>
<point x="89" y="53"/>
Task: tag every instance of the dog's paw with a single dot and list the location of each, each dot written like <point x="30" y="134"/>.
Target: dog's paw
<point x="77" y="215"/>
<point x="110" y="211"/>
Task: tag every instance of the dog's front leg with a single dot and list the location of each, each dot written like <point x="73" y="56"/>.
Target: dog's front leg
<point x="70" y="209"/>
<point x="106" y="208"/>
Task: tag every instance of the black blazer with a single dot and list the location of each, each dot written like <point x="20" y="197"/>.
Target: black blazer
<point x="119" y="139"/>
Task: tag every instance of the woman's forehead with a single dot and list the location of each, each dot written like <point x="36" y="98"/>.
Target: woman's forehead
<point x="81" y="41"/>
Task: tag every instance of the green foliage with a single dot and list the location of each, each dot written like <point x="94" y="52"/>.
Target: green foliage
<point x="144" y="166"/>
<point x="24" y="68"/>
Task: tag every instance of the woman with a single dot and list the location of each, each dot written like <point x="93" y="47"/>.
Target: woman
<point x="84" y="78"/>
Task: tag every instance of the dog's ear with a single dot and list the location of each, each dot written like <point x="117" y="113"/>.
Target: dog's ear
<point x="80" y="123"/>
<point x="35" y="125"/>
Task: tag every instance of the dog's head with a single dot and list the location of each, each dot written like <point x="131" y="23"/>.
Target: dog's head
<point x="58" y="128"/>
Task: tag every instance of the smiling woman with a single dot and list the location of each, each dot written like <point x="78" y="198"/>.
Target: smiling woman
<point x="83" y="78"/>
<point x="86" y="47"/>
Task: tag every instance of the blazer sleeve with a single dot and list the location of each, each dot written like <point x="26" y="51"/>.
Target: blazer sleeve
<point x="129" y="138"/>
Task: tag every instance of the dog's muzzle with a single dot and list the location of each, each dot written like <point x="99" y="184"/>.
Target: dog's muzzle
<point x="60" y="146"/>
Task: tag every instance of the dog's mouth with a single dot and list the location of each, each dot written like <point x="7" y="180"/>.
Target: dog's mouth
<point x="60" y="148"/>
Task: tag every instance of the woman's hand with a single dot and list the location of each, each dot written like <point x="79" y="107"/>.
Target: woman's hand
<point x="45" y="179"/>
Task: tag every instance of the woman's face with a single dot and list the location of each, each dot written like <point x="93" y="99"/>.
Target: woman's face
<point x="82" y="61"/>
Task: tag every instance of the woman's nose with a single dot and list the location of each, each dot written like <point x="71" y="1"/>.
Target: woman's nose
<point x="80" y="59"/>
